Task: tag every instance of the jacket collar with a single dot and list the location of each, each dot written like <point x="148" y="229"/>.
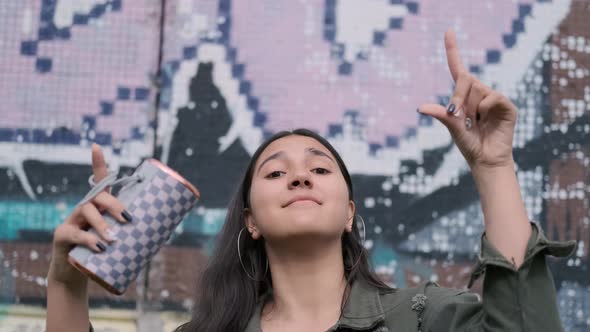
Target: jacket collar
<point x="362" y="309"/>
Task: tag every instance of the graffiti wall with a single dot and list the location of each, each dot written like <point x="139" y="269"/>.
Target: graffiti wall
<point x="199" y="84"/>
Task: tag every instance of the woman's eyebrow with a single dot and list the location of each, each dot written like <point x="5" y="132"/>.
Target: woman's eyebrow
<point x="281" y="154"/>
<point x="320" y="153"/>
<point x="275" y="155"/>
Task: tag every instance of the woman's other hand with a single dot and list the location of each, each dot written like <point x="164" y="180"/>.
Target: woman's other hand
<point x="73" y="230"/>
<point x="480" y="120"/>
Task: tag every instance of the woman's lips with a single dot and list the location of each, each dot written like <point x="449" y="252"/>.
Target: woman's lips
<point x="302" y="199"/>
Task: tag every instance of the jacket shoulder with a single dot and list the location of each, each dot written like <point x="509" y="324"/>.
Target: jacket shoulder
<point x="392" y="299"/>
<point x="407" y="307"/>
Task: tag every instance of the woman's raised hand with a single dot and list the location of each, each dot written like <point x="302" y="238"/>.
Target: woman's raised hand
<point x="73" y="230"/>
<point x="480" y="120"/>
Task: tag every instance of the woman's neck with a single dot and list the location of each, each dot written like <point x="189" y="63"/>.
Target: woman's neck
<point x="308" y="284"/>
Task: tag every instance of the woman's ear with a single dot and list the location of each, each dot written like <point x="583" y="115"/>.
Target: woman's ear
<point x="251" y="224"/>
<point x="351" y="214"/>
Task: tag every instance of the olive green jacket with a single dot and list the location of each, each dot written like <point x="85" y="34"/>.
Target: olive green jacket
<point x="513" y="300"/>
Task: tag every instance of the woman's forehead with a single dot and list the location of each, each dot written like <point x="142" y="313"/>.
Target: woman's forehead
<point x="293" y="144"/>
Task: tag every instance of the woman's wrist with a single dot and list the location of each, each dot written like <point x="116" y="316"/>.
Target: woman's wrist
<point x="486" y="175"/>
<point x="75" y="280"/>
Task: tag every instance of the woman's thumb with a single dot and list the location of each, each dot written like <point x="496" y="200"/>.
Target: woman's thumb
<point x="440" y="113"/>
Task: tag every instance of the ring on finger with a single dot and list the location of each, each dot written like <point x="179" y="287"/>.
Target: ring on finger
<point x="468" y="122"/>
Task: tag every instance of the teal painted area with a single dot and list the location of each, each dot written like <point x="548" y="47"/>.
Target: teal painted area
<point x="4" y="311"/>
<point x="20" y="215"/>
<point x="204" y="221"/>
<point x="383" y="254"/>
<point x="17" y="215"/>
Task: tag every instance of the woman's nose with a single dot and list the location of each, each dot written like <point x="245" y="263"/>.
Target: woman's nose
<point x="300" y="180"/>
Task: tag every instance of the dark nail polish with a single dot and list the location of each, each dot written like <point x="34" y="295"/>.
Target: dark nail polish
<point x="126" y="216"/>
<point x="101" y="246"/>
<point x="451" y="109"/>
<point x="477" y="116"/>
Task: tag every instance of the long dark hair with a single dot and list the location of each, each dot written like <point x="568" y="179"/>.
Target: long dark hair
<point x="227" y="296"/>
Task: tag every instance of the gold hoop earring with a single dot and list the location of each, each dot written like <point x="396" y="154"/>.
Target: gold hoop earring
<point x="242" y="262"/>
<point x="364" y="237"/>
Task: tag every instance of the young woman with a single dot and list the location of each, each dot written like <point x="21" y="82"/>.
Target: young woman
<point x="290" y="256"/>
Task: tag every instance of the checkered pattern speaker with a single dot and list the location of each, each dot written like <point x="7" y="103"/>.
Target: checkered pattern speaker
<point x="157" y="209"/>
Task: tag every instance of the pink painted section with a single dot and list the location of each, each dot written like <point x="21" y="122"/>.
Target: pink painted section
<point x="86" y="70"/>
<point x="274" y="48"/>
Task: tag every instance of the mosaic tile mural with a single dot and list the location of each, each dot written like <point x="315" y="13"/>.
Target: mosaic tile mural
<point x="199" y="84"/>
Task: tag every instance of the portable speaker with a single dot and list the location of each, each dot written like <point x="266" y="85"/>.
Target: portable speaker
<point x="157" y="198"/>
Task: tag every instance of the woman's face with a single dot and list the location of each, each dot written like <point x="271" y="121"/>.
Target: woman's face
<point x="298" y="190"/>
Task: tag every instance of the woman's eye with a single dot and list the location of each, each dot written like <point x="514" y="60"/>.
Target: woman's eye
<point x="274" y="174"/>
<point x="320" y="170"/>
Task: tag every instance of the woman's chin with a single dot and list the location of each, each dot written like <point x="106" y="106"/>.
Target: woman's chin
<point x="308" y="225"/>
<point x="303" y="219"/>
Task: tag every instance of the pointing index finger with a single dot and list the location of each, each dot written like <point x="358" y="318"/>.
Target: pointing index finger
<point x="99" y="165"/>
<point x="453" y="57"/>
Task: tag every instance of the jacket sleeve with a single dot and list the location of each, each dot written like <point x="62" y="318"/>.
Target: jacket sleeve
<point x="513" y="300"/>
